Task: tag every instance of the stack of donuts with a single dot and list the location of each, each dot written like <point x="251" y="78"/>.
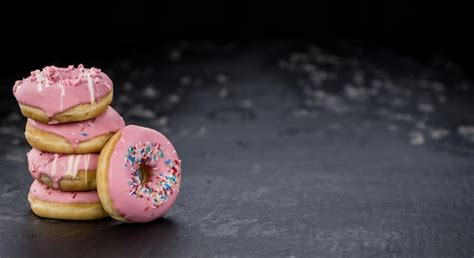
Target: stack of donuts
<point x="69" y="121"/>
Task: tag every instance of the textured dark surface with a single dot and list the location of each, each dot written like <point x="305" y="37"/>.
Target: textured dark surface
<point x="344" y="152"/>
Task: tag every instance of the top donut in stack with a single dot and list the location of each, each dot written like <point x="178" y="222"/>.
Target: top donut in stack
<point x="60" y="95"/>
<point x="68" y="109"/>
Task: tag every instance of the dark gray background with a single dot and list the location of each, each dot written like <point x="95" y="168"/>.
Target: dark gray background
<point x="288" y="149"/>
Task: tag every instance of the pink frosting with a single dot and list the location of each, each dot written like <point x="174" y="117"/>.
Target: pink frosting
<point x="45" y="193"/>
<point x="163" y="163"/>
<point x="56" y="166"/>
<point x="55" y="89"/>
<point x="76" y="132"/>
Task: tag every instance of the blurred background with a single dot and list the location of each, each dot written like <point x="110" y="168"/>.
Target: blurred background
<point x="317" y="127"/>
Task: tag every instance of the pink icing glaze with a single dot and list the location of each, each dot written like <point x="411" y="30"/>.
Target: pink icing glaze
<point x="137" y="208"/>
<point x="56" y="166"/>
<point x="45" y="193"/>
<point x="76" y="132"/>
<point x="55" y="89"/>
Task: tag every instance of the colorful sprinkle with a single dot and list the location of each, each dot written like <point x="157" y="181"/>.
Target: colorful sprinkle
<point x="157" y="191"/>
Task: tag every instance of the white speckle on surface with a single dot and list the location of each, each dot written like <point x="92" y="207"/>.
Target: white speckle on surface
<point x="223" y="93"/>
<point x="150" y="91"/>
<point x="442" y="99"/>
<point x="358" y="78"/>
<point x="355" y="93"/>
<point x="127" y="86"/>
<point x="467" y="132"/>
<point x="174" y="98"/>
<point x="334" y="126"/>
<point x="392" y="127"/>
<point x="417" y="138"/>
<point x="124" y="99"/>
<point x="283" y="64"/>
<point x="438" y="133"/>
<point x="377" y="84"/>
<point x="420" y="125"/>
<point x="162" y="121"/>
<point x="175" y="55"/>
<point x="425" y="107"/>
<point x="185" y="80"/>
<point x="140" y="111"/>
<point x="247" y="103"/>
<point x="13" y="117"/>
<point x="202" y="131"/>
<point x="222" y="78"/>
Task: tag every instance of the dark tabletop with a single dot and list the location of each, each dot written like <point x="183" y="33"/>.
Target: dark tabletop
<point x="287" y="148"/>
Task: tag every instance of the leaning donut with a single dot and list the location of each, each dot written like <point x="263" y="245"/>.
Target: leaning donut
<point x="138" y="175"/>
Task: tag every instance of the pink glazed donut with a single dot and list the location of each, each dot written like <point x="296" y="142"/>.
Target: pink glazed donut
<point x="87" y="136"/>
<point x="60" y="95"/>
<point x="54" y="204"/>
<point x="65" y="172"/>
<point x="138" y="175"/>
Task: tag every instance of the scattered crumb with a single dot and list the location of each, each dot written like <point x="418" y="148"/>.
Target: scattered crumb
<point x="358" y="78"/>
<point x="467" y="132"/>
<point x="303" y="112"/>
<point x="162" y="121"/>
<point x="223" y="93"/>
<point x="442" y="99"/>
<point x="247" y="103"/>
<point x="15" y="142"/>
<point x="175" y="55"/>
<point x="417" y="138"/>
<point x="127" y="86"/>
<point x="185" y="80"/>
<point x="355" y="93"/>
<point x="392" y="127"/>
<point x="13" y="117"/>
<point x="150" y="91"/>
<point x="140" y="111"/>
<point x="124" y="99"/>
<point x="438" y="133"/>
<point x="202" y="131"/>
<point x="425" y="107"/>
<point x="174" y="98"/>
<point x="222" y="78"/>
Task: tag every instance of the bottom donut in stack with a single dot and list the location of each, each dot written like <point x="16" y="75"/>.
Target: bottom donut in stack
<point x="54" y="204"/>
<point x="64" y="186"/>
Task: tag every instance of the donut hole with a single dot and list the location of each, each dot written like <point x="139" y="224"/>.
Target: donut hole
<point x="144" y="174"/>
